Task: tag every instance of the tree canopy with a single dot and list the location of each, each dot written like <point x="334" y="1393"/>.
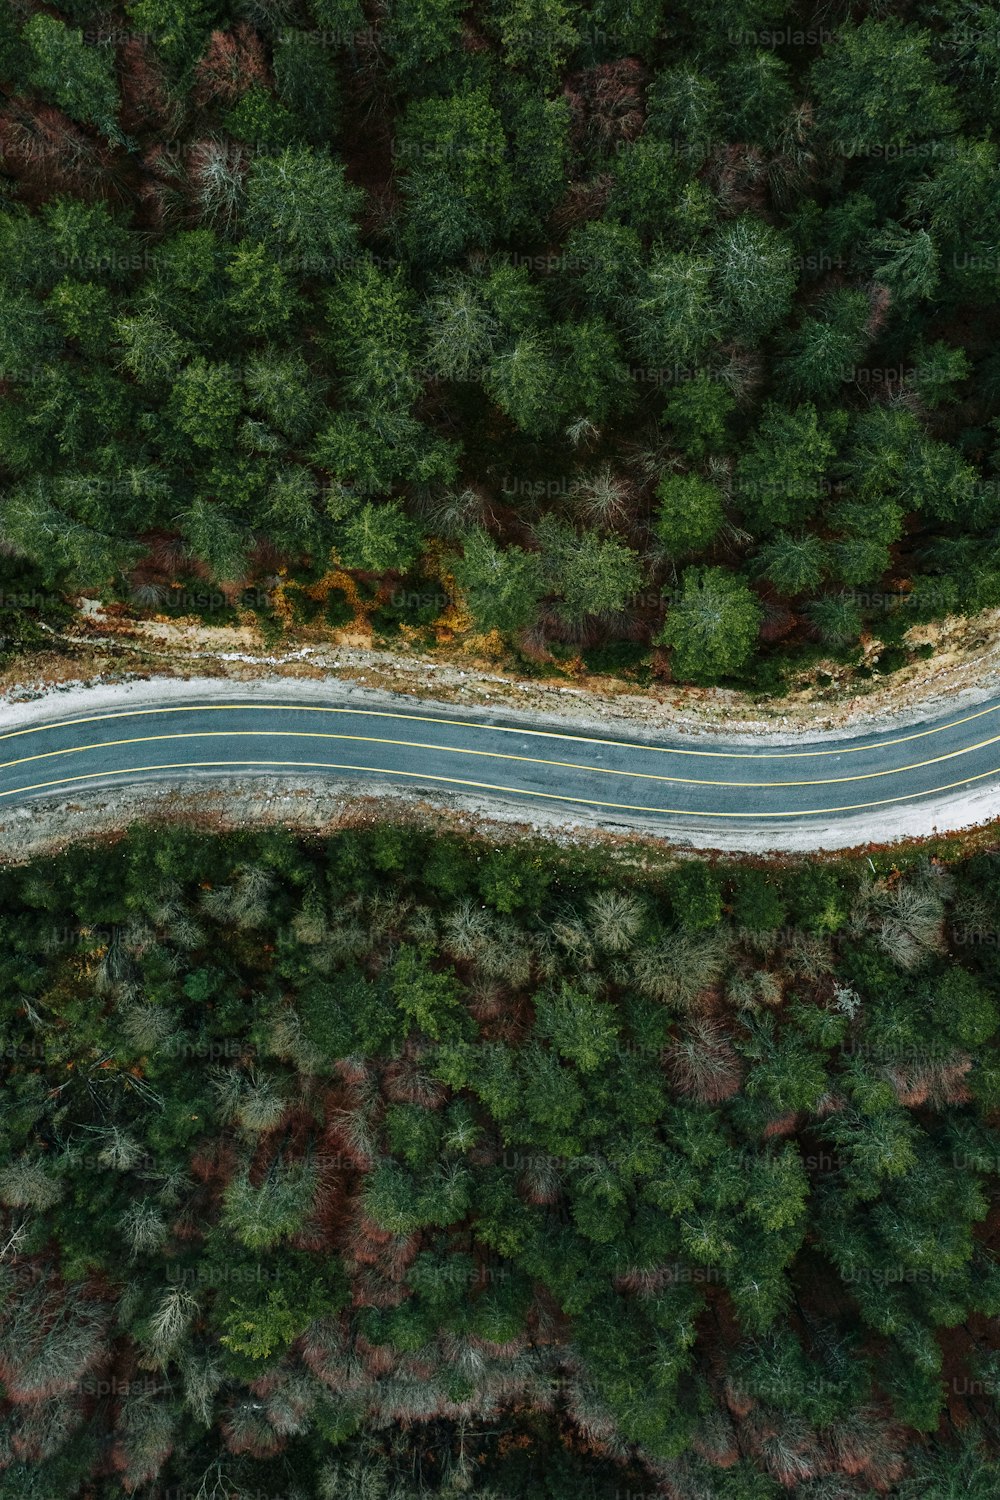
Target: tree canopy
<point x="395" y="1156"/>
<point x="389" y="286"/>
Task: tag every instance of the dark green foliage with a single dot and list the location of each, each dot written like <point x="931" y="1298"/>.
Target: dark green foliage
<point x="501" y="586"/>
<point x="757" y="902"/>
<point x="78" y="77"/>
<point x="781" y="476"/>
<point x="300" y="208"/>
<point x="352" y="1105"/>
<point x="712" y="625"/>
<point x="695" y="896"/>
<point x="631" y="289"/>
<point x="877" y="87"/>
<point x="689" y="513"/>
<point x="377" y="538"/>
<point x="455" y="180"/>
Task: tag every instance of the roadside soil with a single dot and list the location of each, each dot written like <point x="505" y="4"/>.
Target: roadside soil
<point x="106" y="646"/>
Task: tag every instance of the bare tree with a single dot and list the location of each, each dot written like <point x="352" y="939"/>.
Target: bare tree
<point x="26" y="1184"/>
<point x="170" y="1321"/>
<point x="678" y="968"/>
<point x="143" y="1226"/>
<point x="701" y="1062"/>
<point x="616" y="918"/>
<point x="906" y="918"/>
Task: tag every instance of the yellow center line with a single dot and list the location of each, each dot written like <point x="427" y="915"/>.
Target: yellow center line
<point x="501" y="729"/>
<point x="485" y="786"/>
<point x="488" y="755"/>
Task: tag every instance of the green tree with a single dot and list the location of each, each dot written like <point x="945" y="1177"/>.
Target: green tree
<point x="188" y="289"/>
<point x="581" y="1028"/>
<point x="893" y="463"/>
<point x="261" y="1215"/>
<point x="508" y="882"/>
<point x="822" y="352"/>
<point x="368" y="455"/>
<point x="757" y="902"/>
<point x="537" y="130"/>
<point x="939" y="481"/>
<point x="940" y="367"/>
<point x="262" y="299"/>
<point x="84" y="311"/>
<point x="609" y="259"/>
<point x="216" y="537"/>
<point x="712" y="627"/>
<point x="523" y="380"/>
<point x="689" y="513"/>
<point x="956" y="205"/>
<point x="697" y="412"/>
<point x="379" y="537"/>
<point x="455" y="182"/>
<point x="152" y="351"/>
<point x="306" y="83"/>
<point x="181" y="27"/>
<point x="204" y="403"/>
<point x="675" y="314"/>
<point x="836" y="618"/>
<point x="908" y="263"/>
<point x="300" y="208"/>
<point x="695" y="896"/>
<point x="969" y="1474"/>
<point x="594" y="575"/>
<point x="859" y="559"/>
<point x="502" y="586"/>
<point x="87" y="240"/>
<point x="794" y="564"/>
<point x="420" y="33"/>
<point x="257" y="1330"/>
<point x="80" y="78"/>
<point x="283" y="388"/>
<point x="649" y="183"/>
<point x="757" y="94"/>
<point x="755" y="277"/>
<point x="261" y="120"/>
<point x="593" y="380"/>
<point x="371" y="335"/>
<point x="876" y="86"/>
<point x="460" y="329"/>
<point x="428" y="998"/>
<point x="344" y="19"/>
<point x="780" y="475"/>
<point x="684" y="104"/>
<point x="537" y="34"/>
<point x="59" y="543"/>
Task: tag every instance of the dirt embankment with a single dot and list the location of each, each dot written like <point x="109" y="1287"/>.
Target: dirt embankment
<point x="107" y="647"/>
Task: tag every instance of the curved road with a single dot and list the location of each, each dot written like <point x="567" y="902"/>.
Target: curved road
<point x="671" y="786"/>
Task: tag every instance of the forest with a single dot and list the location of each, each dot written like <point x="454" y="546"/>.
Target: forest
<point x="666" y="332"/>
<point x="390" y="1164"/>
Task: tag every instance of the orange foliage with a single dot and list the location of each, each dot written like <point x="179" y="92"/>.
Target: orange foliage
<point x="234" y="62"/>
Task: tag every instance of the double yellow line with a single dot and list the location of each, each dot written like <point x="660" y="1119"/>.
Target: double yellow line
<point x="495" y="755"/>
<point x="546" y="734"/>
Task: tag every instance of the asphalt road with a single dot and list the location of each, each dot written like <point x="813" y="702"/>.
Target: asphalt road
<point x="432" y="749"/>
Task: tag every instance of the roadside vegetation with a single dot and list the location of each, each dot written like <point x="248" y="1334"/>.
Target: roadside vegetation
<point x="392" y="1165"/>
<point x="664" y="334"/>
